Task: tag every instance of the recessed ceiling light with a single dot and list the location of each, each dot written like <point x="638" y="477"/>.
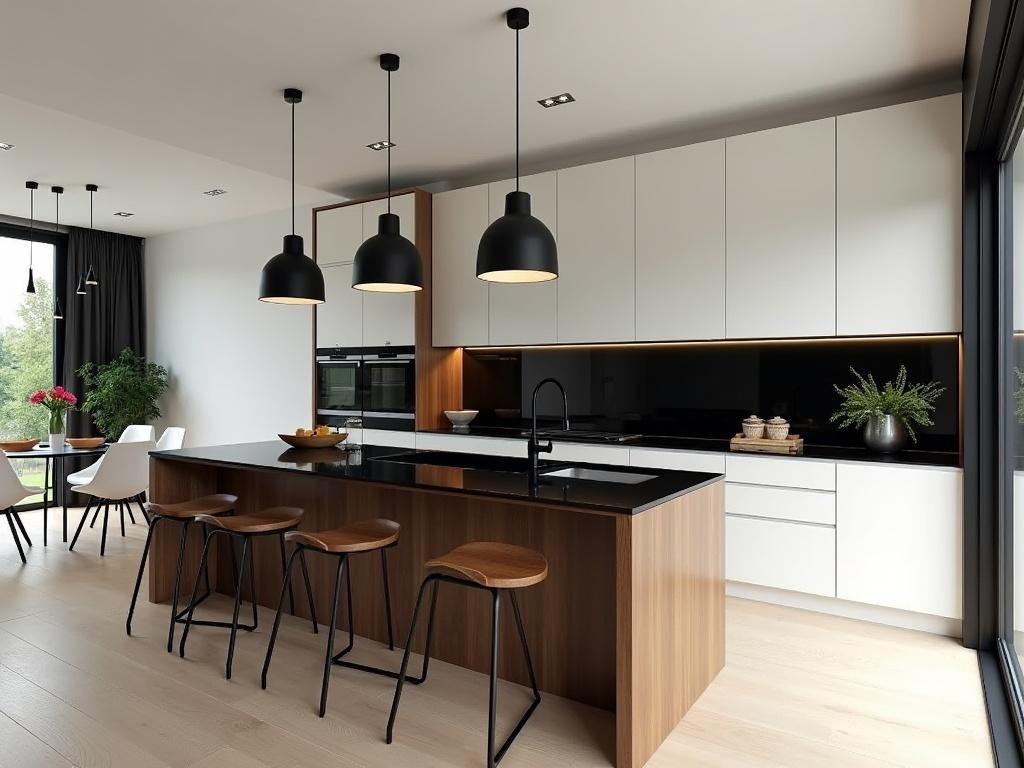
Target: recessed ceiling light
<point x="125" y="214"/>
<point x="377" y="146"/>
<point x="6" y="146"/>
<point x="554" y="101"/>
<point x="215" y="192"/>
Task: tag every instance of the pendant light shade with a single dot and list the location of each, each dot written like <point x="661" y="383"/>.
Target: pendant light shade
<point x="31" y="186"/>
<point x="291" y="277"/>
<point x="518" y="247"/>
<point x="388" y="262"/>
<point x="58" y="310"/>
<point x="80" y="290"/>
<point x="90" y="276"/>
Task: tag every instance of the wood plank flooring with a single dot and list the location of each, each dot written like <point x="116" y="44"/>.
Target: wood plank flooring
<point x="798" y="689"/>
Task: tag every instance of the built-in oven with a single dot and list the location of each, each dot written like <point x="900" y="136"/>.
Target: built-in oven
<point x="389" y="388"/>
<point x="339" y="385"/>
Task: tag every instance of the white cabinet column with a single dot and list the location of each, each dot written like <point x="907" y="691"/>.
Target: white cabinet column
<point x="460" y="306"/>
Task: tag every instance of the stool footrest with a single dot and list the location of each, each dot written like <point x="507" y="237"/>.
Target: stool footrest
<point x="338" y="659"/>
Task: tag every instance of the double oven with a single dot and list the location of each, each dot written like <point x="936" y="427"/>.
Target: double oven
<point x="374" y="384"/>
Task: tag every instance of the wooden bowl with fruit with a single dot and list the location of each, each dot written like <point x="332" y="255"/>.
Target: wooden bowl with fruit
<point x="321" y="437"/>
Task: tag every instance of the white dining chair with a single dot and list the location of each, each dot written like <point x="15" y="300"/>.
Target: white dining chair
<point x="123" y="475"/>
<point x="133" y="433"/>
<point x="12" y="490"/>
<point x="172" y="439"/>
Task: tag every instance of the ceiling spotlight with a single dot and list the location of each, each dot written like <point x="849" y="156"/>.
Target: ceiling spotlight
<point x="215" y="192"/>
<point x="554" y="101"/>
<point x="125" y="214"/>
<point x="6" y="146"/>
<point x="377" y="146"/>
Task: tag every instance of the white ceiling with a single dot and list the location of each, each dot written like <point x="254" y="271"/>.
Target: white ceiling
<point x="174" y="98"/>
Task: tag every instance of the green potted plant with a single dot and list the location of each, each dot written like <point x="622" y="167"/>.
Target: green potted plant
<point x="122" y="392"/>
<point x="887" y="414"/>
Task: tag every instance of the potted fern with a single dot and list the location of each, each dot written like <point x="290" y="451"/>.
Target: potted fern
<point x="887" y="414"/>
<point x="122" y="392"/>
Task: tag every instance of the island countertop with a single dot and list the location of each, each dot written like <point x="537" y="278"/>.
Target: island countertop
<point x="487" y="476"/>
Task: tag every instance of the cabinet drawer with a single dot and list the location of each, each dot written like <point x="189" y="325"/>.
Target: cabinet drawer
<point x="389" y="437"/>
<point x="488" y="446"/>
<point x="592" y="454"/>
<point x="781" y="471"/>
<point x="794" y="504"/>
<point x="691" y="461"/>
<point x="793" y="556"/>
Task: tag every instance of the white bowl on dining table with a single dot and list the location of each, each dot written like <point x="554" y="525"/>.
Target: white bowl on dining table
<point x="461" y="418"/>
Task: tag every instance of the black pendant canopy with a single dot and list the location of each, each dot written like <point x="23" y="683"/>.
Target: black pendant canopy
<point x="518" y="247"/>
<point x="291" y="277"/>
<point x="388" y="262"/>
<point x="31" y="186"/>
<point x="90" y="276"/>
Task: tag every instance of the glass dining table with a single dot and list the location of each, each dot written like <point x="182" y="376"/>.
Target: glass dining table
<point x="55" y="458"/>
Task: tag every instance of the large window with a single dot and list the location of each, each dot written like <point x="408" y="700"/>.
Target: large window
<point x="26" y="345"/>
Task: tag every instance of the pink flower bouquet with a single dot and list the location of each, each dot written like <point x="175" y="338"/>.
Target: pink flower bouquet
<point x="58" y="401"/>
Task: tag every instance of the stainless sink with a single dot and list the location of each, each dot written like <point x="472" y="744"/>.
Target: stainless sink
<point x="599" y="475"/>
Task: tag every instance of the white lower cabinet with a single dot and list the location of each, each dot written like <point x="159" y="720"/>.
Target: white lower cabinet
<point x="900" y="537"/>
<point x="487" y="446"/>
<point x="791" y="504"/>
<point x="782" y="555"/>
<point x="389" y="437"/>
<point x="689" y="461"/>
<point x="589" y="454"/>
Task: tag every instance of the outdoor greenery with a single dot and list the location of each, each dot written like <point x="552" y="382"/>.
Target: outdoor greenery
<point x="911" y="404"/>
<point x="122" y="392"/>
<point x="26" y="364"/>
<point x="1018" y="394"/>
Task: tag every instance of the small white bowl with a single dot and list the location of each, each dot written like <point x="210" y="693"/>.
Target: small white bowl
<point x="461" y="418"/>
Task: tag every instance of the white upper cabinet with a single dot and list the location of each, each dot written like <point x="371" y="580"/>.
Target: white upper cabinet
<point x="339" y="232"/>
<point x="596" y="256"/>
<point x="389" y="319"/>
<point x="339" y="320"/>
<point x="680" y="243"/>
<point x="898" y="202"/>
<point x="780" y="230"/>
<point x="460" y="307"/>
<point x="526" y="313"/>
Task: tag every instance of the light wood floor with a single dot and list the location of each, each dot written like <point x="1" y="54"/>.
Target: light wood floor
<point x="799" y="689"/>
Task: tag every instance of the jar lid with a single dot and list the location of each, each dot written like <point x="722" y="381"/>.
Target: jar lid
<point x="777" y="420"/>
<point x="752" y="419"/>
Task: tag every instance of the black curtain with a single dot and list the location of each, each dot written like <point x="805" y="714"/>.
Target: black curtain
<point x="110" y="316"/>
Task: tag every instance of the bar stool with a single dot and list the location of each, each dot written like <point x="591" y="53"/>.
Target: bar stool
<point x="363" y="536"/>
<point x="184" y="513"/>
<point x="275" y="521"/>
<point x="494" y="567"/>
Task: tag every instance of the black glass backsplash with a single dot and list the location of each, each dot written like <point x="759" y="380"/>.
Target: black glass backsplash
<point x="707" y="390"/>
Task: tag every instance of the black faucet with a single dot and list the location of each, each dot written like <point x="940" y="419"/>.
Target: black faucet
<point x="534" y="448"/>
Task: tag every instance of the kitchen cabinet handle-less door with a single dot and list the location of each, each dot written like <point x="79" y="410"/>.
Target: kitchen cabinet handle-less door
<point x="460" y="304"/>
<point x="780" y="232"/>
<point x="339" y="320"/>
<point x="389" y="319"/>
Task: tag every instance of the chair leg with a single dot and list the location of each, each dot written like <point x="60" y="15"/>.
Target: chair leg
<point x="195" y="591"/>
<point x="138" y="582"/>
<point x="95" y="514"/>
<point x="14" y="534"/>
<point x="429" y="581"/>
<point x="291" y="594"/>
<point x="277" y="617"/>
<point x="120" y="508"/>
<point x="177" y="579"/>
<point x="131" y="515"/>
<point x="309" y="589"/>
<point x="331" y="628"/>
<point x="387" y="599"/>
<point x="142" y="509"/>
<point x="21" y="526"/>
<point x="492" y="706"/>
<point x="81" y="524"/>
<point x="238" y="605"/>
<point x="106" y="518"/>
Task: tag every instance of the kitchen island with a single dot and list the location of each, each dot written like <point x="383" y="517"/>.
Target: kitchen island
<point x="630" y="619"/>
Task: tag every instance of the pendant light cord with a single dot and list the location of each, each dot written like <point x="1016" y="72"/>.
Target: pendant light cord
<point x="293" y="167"/>
<point x="31" y="224"/>
<point x="517" y="110"/>
<point x="90" y="209"/>
<point x="389" y="141"/>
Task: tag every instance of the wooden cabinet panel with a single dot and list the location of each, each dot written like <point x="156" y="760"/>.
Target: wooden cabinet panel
<point x="680" y="243"/>
<point x="525" y="313"/>
<point x="339" y="320"/>
<point x="389" y="319"/>
<point x="460" y="298"/>
<point x="898" y="208"/>
<point x="780" y="225"/>
<point x="900" y="537"/>
<point x="596" y="255"/>
<point x="793" y="556"/>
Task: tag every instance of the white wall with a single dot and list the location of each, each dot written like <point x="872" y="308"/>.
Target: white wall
<point x="240" y="369"/>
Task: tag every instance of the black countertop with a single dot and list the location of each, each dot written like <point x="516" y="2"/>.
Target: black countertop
<point x="496" y="477"/>
<point x="834" y="452"/>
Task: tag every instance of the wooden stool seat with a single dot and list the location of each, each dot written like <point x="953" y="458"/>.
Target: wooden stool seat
<point x="493" y="564"/>
<point x="214" y="504"/>
<point x="264" y="521"/>
<point x="363" y="536"/>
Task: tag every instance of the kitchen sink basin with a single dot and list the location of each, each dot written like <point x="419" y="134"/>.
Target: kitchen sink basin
<point x="599" y="475"/>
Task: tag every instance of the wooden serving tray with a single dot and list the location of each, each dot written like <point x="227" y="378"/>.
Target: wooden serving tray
<point x="792" y="444"/>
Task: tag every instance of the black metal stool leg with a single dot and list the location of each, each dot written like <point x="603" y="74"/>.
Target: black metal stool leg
<point x="331" y="628"/>
<point x="238" y="604"/>
<point x="387" y="598"/>
<point x="195" y="589"/>
<point x="492" y="706"/>
<point x="14" y="534"/>
<point x="81" y="524"/>
<point x="309" y="588"/>
<point x="142" y="509"/>
<point x="277" y="616"/>
<point x="291" y="594"/>
<point x="138" y="581"/>
<point x="177" y="579"/>
<point x="252" y="583"/>
<point x="106" y="516"/>
<point x="429" y="581"/>
<point x="21" y="526"/>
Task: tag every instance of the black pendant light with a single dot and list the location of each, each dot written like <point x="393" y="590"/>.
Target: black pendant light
<point x="388" y="262"/>
<point x="517" y="248"/>
<point x="291" y="277"/>
<point x="90" y="276"/>
<point x="31" y="186"/>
